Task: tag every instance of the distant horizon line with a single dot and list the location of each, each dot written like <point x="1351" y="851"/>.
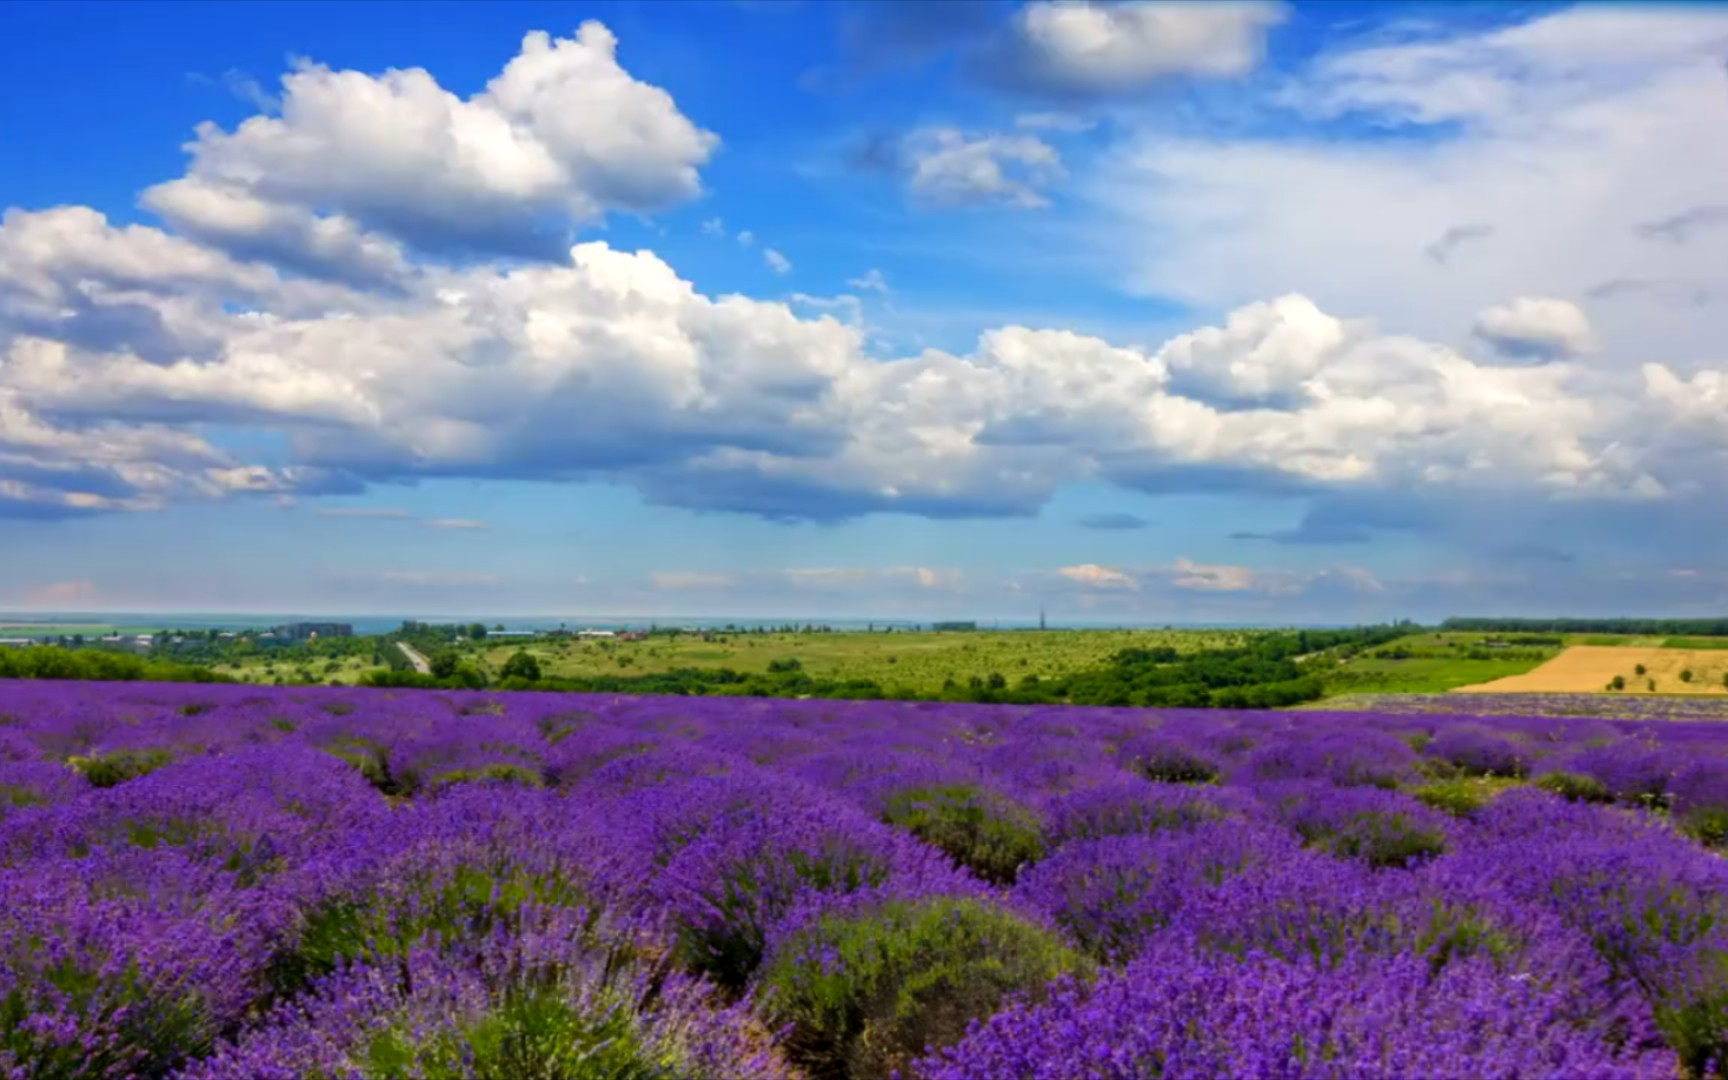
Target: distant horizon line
<point x="70" y="617"/>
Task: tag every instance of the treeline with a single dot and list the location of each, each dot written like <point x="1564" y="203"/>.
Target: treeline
<point x="1713" y="627"/>
<point x="206" y="651"/>
<point x="53" y="662"/>
<point x="722" y="682"/>
<point x="1267" y="671"/>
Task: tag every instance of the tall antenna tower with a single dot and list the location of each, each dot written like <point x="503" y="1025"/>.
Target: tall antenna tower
<point x="1040" y="616"/>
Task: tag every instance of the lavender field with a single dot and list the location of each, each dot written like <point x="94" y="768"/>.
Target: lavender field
<point x="225" y="881"/>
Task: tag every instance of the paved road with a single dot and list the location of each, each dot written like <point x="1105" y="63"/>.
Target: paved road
<point x="415" y="658"/>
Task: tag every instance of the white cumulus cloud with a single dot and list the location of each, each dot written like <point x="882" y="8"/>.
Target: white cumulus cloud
<point x="1540" y="328"/>
<point x="948" y="167"/>
<point x="563" y="132"/>
<point x="1083" y="48"/>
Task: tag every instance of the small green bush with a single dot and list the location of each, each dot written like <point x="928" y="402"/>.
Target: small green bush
<point x="865" y="993"/>
<point x="469" y="901"/>
<point x="14" y="795"/>
<point x="1575" y="787"/>
<point x="1417" y="740"/>
<point x="1174" y="766"/>
<point x="991" y="836"/>
<point x="1460" y="798"/>
<point x="1382" y="840"/>
<point x="373" y="761"/>
<point x="1706" y="824"/>
<point x="728" y="943"/>
<point x="536" y="1031"/>
<point x="107" y="770"/>
<point x="496" y="772"/>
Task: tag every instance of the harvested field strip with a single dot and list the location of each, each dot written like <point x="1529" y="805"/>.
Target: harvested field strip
<point x="1591" y="668"/>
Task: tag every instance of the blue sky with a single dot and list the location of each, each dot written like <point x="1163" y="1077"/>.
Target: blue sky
<point x="1129" y="310"/>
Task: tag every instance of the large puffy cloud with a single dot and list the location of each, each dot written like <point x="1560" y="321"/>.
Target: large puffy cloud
<point x="49" y="471"/>
<point x="1080" y="48"/>
<point x="947" y="167"/>
<point x="119" y="344"/>
<point x="612" y="366"/>
<point x="1551" y="146"/>
<point x="561" y="136"/>
<point x="1072" y="51"/>
<point x="236" y="220"/>
<point x="1536" y="327"/>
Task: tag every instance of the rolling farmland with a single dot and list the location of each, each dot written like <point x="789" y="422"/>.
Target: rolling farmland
<point x="1591" y="668"/>
<point x="920" y="662"/>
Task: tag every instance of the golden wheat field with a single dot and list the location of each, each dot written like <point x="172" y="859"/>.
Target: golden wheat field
<point x="1587" y="668"/>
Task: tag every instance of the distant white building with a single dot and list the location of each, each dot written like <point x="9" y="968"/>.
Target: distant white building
<point x="16" y="642"/>
<point x="511" y="634"/>
<point x="595" y="634"/>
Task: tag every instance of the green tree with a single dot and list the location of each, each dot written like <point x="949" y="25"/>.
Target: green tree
<point x="477" y="631"/>
<point x="521" y="665"/>
<point x="444" y="663"/>
<point x="1619" y="683"/>
<point x="469" y="676"/>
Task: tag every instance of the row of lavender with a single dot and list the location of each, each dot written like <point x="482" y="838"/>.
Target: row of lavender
<point x="232" y="882"/>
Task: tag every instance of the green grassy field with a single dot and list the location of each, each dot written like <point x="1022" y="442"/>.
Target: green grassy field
<point x="1430" y="663"/>
<point x="349" y="669"/>
<point x="1694" y="643"/>
<point x="916" y="661"/>
<point x="1425" y="663"/>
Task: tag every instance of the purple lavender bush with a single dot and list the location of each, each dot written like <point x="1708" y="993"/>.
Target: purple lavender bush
<point x="544" y="1000"/>
<point x="227" y="881"/>
<point x="1181" y="1012"/>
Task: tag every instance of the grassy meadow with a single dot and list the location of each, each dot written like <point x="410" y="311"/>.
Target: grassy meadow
<point x="1428" y="662"/>
<point x="1435" y="662"/>
<point x="261" y="669"/>
<point x="918" y="661"/>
